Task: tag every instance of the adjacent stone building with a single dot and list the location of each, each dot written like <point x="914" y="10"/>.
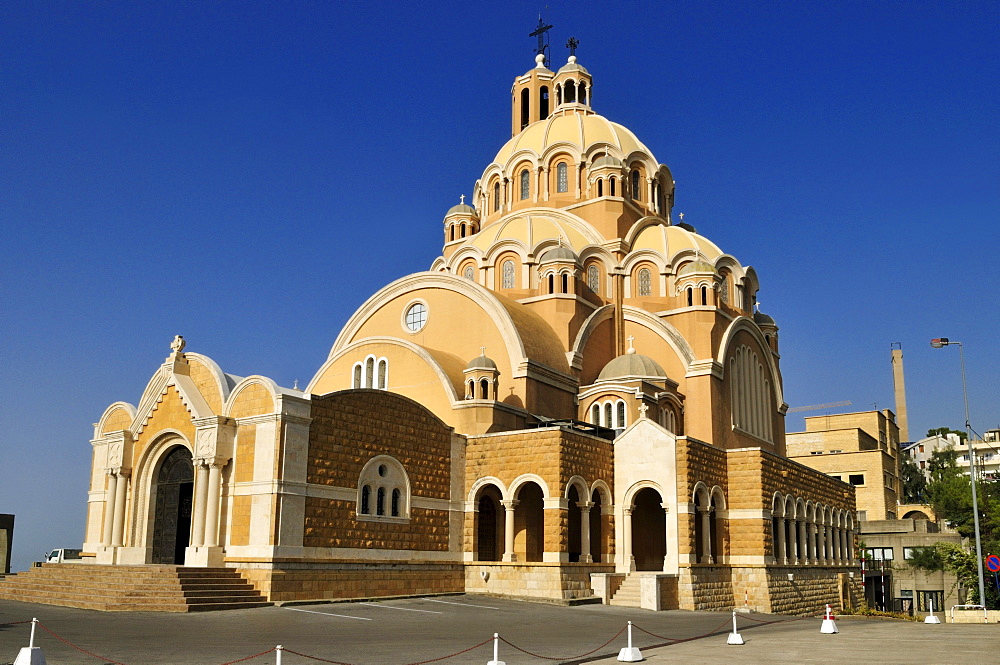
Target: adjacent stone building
<point x="577" y="398"/>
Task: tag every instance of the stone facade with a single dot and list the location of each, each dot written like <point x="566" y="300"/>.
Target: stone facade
<point x="578" y="400"/>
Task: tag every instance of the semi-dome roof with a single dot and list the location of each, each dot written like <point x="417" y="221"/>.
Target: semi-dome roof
<point x="576" y="128"/>
<point x="461" y="208"/>
<point x="560" y="253"/>
<point x="670" y="240"/>
<point x="632" y="365"/>
<point x="572" y="66"/>
<point x="763" y="319"/>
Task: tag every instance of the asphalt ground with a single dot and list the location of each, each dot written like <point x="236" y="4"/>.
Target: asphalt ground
<point x="412" y="630"/>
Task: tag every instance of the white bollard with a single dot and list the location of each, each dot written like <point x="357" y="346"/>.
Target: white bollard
<point x="734" y="637"/>
<point x="277" y="656"/>
<point x="829" y="627"/>
<point x="496" y="651"/>
<point x="930" y="618"/>
<point x="629" y="654"/>
<point x="30" y="655"/>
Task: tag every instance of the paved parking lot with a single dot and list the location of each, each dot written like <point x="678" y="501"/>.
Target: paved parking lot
<point x="398" y="632"/>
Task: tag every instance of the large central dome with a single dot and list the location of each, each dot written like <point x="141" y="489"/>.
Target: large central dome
<point x="577" y="129"/>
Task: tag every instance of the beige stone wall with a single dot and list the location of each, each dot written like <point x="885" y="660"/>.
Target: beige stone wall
<point x="538" y="580"/>
<point x="169" y="412"/>
<point x="118" y="420"/>
<point x="348" y="429"/>
<point x="253" y="400"/>
<point x="707" y="588"/>
<point x="205" y="380"/>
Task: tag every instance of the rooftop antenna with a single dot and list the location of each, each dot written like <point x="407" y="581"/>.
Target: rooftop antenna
<point x="543" y="39"/>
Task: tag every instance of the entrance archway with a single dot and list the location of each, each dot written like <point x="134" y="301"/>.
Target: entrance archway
<point x="174" y="491"/>
<point x="529" y="523"/>
<point x="649" y="530"/>
<point x="574" y="526"/>
<point x="489" y="525"/>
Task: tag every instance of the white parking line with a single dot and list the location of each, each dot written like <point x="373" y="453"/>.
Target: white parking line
<point x="329" y="614"/>
<point x="484" y="607"/>
<point x="405" y="609"/>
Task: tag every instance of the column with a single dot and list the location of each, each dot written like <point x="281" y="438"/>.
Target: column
<point x="200" y="496"/>
<point x="850" y="546"/>
<point x="780" y="553"/>
<point x="706" y="534"/>
<point x="821" y="543"/>
<point x="845" y="553"/>
<point x="212" y="508"/>
<point x="585" y="506"/>
<point x="538" y="183"/>
<point x="803" y="543"/>
<point x="666" y="536"/>
<point x="793" y="554"/>
<point x="627" y="537"/>
<point x="545" y="181"/>
<point x="836" y="546"/>
<point x="508" y="530"/>
<point x="813" y="554"/>
<point x="109" y="508"/>
<point x="119" y="519"/>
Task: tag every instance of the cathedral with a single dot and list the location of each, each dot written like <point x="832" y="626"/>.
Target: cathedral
<point x="577" y="400"/>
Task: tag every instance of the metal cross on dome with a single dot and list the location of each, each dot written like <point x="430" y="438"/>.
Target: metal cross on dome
<point x="572" y="44"/>
<point x="539" y="32"/>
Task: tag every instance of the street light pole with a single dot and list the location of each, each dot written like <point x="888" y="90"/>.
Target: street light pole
<point x="937" y="344"/>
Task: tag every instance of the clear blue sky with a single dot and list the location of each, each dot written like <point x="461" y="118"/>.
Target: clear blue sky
<point x="247" y="173"/>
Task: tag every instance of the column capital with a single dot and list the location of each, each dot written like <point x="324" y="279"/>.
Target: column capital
<point x="666" y="507"/>
<point x="509" y="504"/>
<point x="585" y="505"/>
<point x="120" y="471"/>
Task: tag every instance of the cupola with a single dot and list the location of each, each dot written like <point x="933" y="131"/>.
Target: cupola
<point x="632" y="365"/>
<point x="461" y="221"/>
<point x="558" y="269"/>
<point x="530" y="98"/>
<point x="482" y="378"/>
<point x="573" y="86"/>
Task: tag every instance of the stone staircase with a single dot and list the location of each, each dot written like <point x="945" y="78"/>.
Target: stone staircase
<point x="153" y="588"/>
<point x="628" y="594"/>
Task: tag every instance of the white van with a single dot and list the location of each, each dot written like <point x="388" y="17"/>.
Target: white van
<point x="64" y="555"/>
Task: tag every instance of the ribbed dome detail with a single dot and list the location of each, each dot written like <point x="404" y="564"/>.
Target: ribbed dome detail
<point x="481" y="362"/>
<point x="560" y="253"/>
<point x="632" y="365"/>
<point x="461" y="208"/>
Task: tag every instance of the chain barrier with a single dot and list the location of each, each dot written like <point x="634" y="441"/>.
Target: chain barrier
<point x="564" y="658"/>
<point x="256" y="655"/>
<point x="434" y="660"/>
<point x="678" y="640"/>
<point x="322" y="660"/>
<point x="108" y="661"/>
<point x="14" y="623"/>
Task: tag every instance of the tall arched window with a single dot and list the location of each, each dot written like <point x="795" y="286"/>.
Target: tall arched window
<point x="395" y="502"/>
<point x="750" y="394"/>
<point x="525" y="107"/>
<point x="357" y="375"/>
<point x="463" y="229"/>
<point x="583" y="92"/>
<point x="609" y="415"/>
<point x="366" y="500"/>
<point x="370" y="373"/>
<point x="562" y="178"/>
<point x="620" y="421"/>
<point x="565" y="283"/>
<point x="471" y="392"/>
<point x="635" y="186"/>
<point x="383" y="371"/>
<point x="612" y="183"/>
<point x="525" y="184"/>
<point x="380" y="502"/>
<point x="704" y="295"/>
<point x="543" y="103"/>
<point x="484" y="389"/>
<point x="551" y="280"/>
<point x="645" y="283"/>
<point x="595" y="414"/>
<point x="600" y="187"/>
<point x="724" y="289"/>
<point x="690" y="296"/>
<point x="508" y="274"/>
<point x="496" y="196"/>
<point x="593" y="278"/>
<point x="659" y="198"/>
<point x="452" y="229"/>
<point x="570" y="92"/>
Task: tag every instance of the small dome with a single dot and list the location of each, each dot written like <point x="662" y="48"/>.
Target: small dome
<point x="696" y="268"/>
<point x="461" y="208"/>
<point x="762" y="319"/>
<point x="606" y="160"/>
<point x="571" y="66"/>
<point x="560" y="253"/>
<point x="481" y="362"/>
<point x="632" y="365"/>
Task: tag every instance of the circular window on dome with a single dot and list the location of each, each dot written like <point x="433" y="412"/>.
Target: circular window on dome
<point x="415" y="317"/>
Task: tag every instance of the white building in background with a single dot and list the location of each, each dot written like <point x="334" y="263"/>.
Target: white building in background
<point x="986" y="450"/>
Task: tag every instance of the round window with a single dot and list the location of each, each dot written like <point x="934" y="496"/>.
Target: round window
<point x="382" y="470"/>
<point x="416" y="316"/>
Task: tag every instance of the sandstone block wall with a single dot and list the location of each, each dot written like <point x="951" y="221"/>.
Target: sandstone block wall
<point x="548" y="581"/>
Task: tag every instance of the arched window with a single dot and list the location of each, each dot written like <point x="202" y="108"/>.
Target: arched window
<point x="383" y="371"/>
<point x="357" y="375"/>
<point x="570" y="92"/>
<point x="452" y="229"/>
<point x="496" y="196"/>
<point x="620" y="421"/>
<point x="471" y="392"/>
<point x="463" y="229"/>
<point x="659" y="198"/>
<point x="370" y="372"/>
<point x="525" y="184"/>
<point x="525" y="107"/>
<point x="704" y="295"/>
<point x="469" y="272"/>
<point x="366" y="500"/>
<point x="635" y="186"/>
<point x="395" y="502"/>
<point x="690" y="296"/>
<point x="562" y="178"/>
<point x="484" y="389"/>
<point x="750" y="394"/>
<point x="565" y="283"/>
<point x="593" y="278"/>
<point x="612" y="183"/>
<point x="724" y="289"/>
<point x="609" y="416"/>
<point x="551" y="280"/>
<point x="583" y="92"/>
<point x="645" y="283"/>
<point x="595" y="414"/>
<point x="600" y="187"/>
<point x="508" y="274"/>
<point x="380" y="502"/>
<point x="543" y="103"/>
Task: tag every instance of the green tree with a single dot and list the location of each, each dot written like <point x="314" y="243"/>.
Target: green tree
<point x="944" y="431"/>
<point x="962" y="563"/>
<point x="914" y="482"/>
